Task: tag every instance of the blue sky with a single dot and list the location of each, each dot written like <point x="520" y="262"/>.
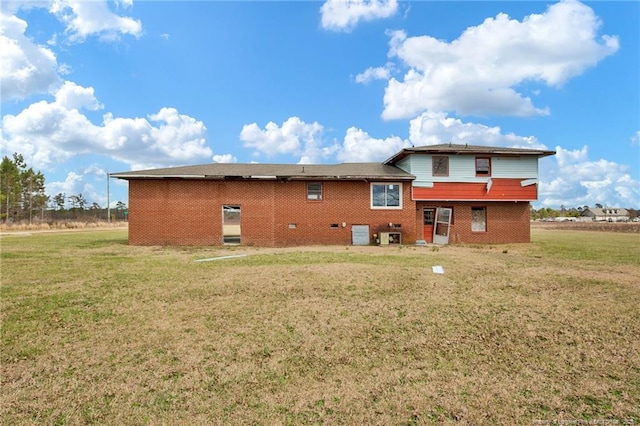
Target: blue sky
<point x="90" y="87"/>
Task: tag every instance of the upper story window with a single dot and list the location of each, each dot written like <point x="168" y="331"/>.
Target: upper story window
<point x="314" y="191"/>
<point x="440" y="165"/>
<point x="386" y="195"/>
<point x="483" y="166"/>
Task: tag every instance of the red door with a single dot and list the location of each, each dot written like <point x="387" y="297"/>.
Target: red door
<point x="429" y="216"/>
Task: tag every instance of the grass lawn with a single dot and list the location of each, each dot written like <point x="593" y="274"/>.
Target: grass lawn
<point x="98" y="332"/>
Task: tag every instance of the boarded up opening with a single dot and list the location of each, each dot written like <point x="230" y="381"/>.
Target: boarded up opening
<point x="360" y="235"/>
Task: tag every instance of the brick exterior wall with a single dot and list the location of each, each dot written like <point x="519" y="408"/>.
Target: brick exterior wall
<point x="189" y="212"/>
<point x="507" y="222"/>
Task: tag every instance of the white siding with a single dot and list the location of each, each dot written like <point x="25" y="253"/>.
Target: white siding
<point x="462" y="168"/>
<point x="421" y="167"/>
<point x="515" y="167"/>
<point x="405" y="164"/>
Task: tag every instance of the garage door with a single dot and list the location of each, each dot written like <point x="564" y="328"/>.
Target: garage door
<point x="360" y="235"/>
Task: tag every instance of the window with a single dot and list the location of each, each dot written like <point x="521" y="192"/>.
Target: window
<point x="440" y="165"/>
<point x="314" y="191"/>
<point x="452" y="216"/>
<point x="428" y="217"/>
<point x="478" y="219"/>
<point x="483" y="166"/>
<point x="386" y="196"/>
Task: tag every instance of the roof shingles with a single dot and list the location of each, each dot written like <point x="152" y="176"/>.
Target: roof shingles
<point x="345" y="171"/>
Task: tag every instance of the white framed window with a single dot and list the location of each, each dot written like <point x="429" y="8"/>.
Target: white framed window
<point x="386" y="196"/>
<point x="314" y="191"/>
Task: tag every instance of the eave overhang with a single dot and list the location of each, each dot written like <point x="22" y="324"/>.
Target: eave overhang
<point x="366" y="178"/>
<point x="452" y="149"/>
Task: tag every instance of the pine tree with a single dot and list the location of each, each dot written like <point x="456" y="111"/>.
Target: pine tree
<point x="10" y="187"/>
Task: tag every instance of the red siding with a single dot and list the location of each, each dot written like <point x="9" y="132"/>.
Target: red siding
<point x="501" y="189"/>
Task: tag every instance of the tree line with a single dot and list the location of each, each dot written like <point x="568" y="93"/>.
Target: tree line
<point x="23" y="197"/>
<point x="549" y="213"/>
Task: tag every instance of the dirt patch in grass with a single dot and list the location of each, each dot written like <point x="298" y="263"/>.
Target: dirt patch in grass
<point x="98" y="332"/>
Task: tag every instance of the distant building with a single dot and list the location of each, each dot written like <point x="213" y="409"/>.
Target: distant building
<point x="607" y="214"/>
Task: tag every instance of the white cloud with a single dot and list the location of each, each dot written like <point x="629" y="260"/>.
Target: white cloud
<point x="635" y="139"/>
<point x="478" y="73"/>
<point x="575" y="180"/>
<point x="225" y="158"/>
<point x="177" y="137"/>
<point x="164" y="139"/>
<point x="94" y="169"/>
<point x="48" y="133"/>
<point x="377" y="73"/>
<point x="294" y="137"/>
<point x="125" y="3"/>
<point x="71" y="185"/>
<point x="437" y="128"/>
<point x="73" y="96"/>
<point x="88" y="18"/>
<point x="358" y="146"/>
<point x="344" y="15"/>
<point x="26" y="68"/>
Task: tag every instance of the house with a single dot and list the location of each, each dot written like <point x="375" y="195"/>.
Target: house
<point x="607" y="214"/>
<point x="431" y="194"/>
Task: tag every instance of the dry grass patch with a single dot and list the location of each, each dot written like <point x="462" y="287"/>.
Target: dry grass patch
<point x="60" y="225"/>
<point x="98" y="332"/>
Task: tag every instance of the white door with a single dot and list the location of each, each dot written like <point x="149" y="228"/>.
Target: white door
<point x="442" y="225"/>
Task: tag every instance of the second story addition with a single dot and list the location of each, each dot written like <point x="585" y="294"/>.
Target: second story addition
<point x="468" y="172"/>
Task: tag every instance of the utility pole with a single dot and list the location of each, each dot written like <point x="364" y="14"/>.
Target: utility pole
<point x="108" y="200"/>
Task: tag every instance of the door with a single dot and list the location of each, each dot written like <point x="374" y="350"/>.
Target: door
<point x="442" y="225"/>
<point x="360" y="235"/>
<point x="429" y="217"/>
<point x="231" y="224"/>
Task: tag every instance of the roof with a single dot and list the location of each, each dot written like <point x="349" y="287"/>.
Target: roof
<point x="218" y="171"/>
<point x="344" y="171"/>
<point x="609" y="211"/>
<point x="457" y="149"/>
